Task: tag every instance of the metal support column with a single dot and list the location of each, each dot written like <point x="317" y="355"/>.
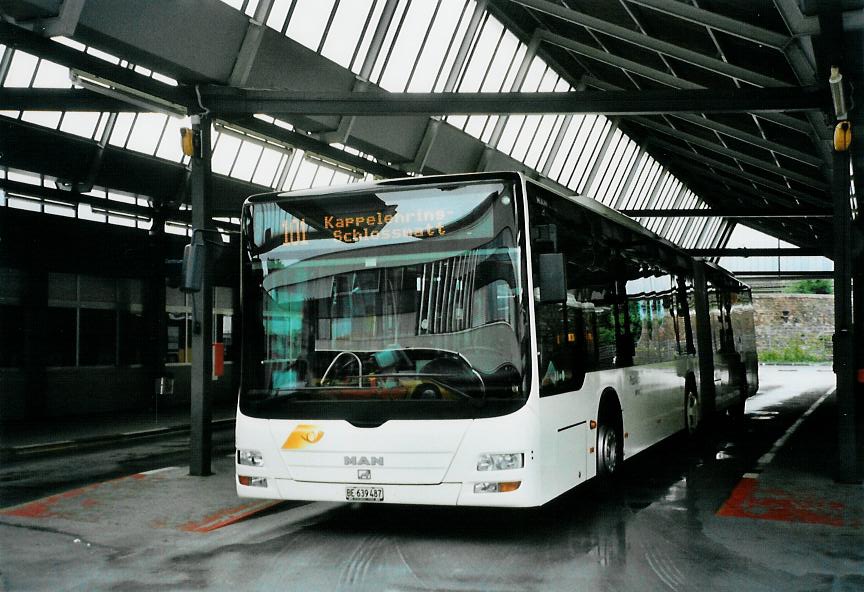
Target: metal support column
<point x="844" y="353"/>
<point x="201" y="414"/>
<point x="704" y="344"/>
<point x="155" y="317"/>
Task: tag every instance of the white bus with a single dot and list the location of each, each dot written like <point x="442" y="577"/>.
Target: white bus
<point x="467" y="340"/>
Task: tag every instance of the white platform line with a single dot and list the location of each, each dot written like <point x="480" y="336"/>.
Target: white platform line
<point x="155" y="471"/>
<point x="766" y="458"/>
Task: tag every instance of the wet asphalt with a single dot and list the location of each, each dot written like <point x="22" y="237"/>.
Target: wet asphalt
<point x="657" y="528"/>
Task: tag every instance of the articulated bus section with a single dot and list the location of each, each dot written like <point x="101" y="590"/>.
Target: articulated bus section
<point x="528" y="344"/>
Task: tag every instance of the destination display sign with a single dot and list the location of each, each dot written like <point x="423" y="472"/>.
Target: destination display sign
<point x="376" y="225"/>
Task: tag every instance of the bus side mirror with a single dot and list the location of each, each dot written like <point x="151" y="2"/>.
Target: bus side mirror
<point x="194" y="260"/>
<point x="553" y="281"/>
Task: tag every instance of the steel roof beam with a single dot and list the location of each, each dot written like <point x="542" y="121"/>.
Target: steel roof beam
<point x="647" y="42"/>
<point x="734" y="213"/>
<point x="705" y="182"/>
<point x="73" y="198"/>
<point x="232" y="101"/>
<point x="799" y="24"/>
<point x="721" y="166"/>
<point x="751" y="139"/>
<point x="740" y="156"/>
<point x="68" y="57"/>
<point x="64" y="99"/>
<point x="661" y="77"/>
<point x="309" y="144"/>
<point x="759" y="252"/>
<point x="728" y="25"/>
<point x="804" y="68"/>
<point x="786" y="274"/>
<point x="16" y="188"/>
<point x="728" y="130"/>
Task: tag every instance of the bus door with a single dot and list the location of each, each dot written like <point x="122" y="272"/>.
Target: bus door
<point x="652" y="379"/>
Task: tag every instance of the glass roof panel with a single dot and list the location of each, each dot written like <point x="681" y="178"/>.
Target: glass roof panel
<point x="45" y="118"/>
<point x="80" y="124"/>
<point x="344" y="34"/>
<point x="21" y="69"/>
<point x="449" y="23"/>
<point x="308" y="22"/>
<point x="50" y="75"/>
<point x="265" y="171"/>
<point x="247" y="159"/>
<point x="147" y="132"/>
<point x="169" y="147"/>
<point x="278" y="14"/>
<point x="404" y="53"/>
<point x="225" y="151"/>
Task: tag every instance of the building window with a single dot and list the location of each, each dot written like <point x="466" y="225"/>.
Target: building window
<point x="98" y="337"/>
<point x="58" y="341"/>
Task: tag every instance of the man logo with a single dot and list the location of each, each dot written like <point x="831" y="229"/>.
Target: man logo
<point x="360" y="461"/>
<point x="303" y="435"/>
<point x="312" y="436"/>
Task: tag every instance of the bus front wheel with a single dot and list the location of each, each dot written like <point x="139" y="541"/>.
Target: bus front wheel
<point x="609" y="447"/>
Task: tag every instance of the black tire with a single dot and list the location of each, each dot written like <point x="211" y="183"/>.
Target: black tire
<point x="736" y="411"/>
<point x="692" y="410"/>
<point x="610" y="450"/>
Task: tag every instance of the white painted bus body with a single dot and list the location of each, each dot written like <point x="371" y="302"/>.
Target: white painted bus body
<point x="435" y="461"/>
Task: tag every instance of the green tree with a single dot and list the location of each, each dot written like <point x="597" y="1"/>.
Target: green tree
<point x="811" y="287"/>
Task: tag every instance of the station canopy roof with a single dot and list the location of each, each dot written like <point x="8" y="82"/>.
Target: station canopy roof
<point x="691" y="116"/>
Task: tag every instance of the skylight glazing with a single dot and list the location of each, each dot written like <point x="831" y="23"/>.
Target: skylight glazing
<point x="403" y="45"/>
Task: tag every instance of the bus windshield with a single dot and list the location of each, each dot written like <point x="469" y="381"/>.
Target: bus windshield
<point x="409" y="296"/>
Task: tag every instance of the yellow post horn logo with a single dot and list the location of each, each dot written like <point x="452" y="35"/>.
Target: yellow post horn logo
<point x="303" y="436"/>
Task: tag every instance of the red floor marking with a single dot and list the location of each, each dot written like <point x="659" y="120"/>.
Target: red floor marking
<point x="749" y="501"/>
<point x="228" y="516"/>
<point x="44" y="508"/>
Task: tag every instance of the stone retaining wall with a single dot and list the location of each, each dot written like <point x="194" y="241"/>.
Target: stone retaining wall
<point x="794" y="325"/>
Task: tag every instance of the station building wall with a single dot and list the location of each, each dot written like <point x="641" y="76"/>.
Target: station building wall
<point x="79" y="307"/>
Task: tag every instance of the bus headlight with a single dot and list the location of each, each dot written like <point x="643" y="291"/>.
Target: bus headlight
<point x="500" y="462"/>
<point x="250" y="458"/>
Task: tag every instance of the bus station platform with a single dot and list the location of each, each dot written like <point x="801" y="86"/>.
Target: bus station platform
<point x="58" y="436"/>
<point x="760" y="510"/>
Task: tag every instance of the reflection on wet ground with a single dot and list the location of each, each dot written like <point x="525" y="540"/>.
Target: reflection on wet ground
<point x="658" y="528"/>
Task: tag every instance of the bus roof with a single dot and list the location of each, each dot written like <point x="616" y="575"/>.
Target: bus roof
<point x="715" y="271"/>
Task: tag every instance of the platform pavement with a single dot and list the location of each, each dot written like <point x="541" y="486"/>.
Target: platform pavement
<point x="787" y="511"/>
<point x="27" y="439"/>
<point x="790" y="509"/>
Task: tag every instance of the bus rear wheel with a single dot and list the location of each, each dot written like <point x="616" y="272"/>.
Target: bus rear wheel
<point x="692" y="411"/>
<point x="609" y="448"/>
<point x="736" y="412"/>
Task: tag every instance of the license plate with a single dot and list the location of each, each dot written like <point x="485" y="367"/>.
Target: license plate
<point x="364" y="494"/>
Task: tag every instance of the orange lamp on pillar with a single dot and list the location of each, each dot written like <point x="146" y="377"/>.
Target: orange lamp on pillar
<point x="842" y="136"/>
<point x="190" y="142"/>
<point x="218" y="360"/>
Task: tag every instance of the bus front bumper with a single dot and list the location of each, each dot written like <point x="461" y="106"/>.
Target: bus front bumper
<point x="442" y="494"/>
